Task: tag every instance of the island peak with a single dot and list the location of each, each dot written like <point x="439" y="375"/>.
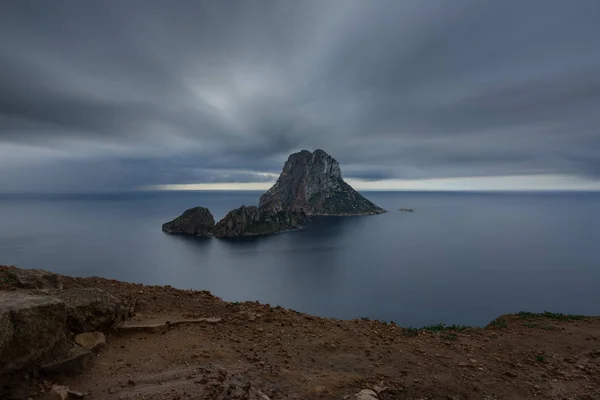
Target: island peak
<point x="312" y="182"/>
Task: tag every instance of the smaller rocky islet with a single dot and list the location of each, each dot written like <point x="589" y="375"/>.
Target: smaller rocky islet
<point x="194" y="221"/>
<point x="310" y="184"/>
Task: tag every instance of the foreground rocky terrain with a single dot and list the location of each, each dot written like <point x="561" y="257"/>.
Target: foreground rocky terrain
<point x="150" y="342"/>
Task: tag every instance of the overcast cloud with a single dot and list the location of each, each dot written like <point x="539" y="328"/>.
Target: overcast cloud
<point x="117" y="95"/>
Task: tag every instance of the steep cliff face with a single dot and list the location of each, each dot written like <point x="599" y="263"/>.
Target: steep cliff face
<point x="312" y="183"/>
<point x="250" y="221"/>
<point x="195" y="221"/>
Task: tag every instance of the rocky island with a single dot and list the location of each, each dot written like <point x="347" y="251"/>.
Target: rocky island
<point x="309" y="184"/>
<point x="312" y="183"/>
<point x="197" y="221"/>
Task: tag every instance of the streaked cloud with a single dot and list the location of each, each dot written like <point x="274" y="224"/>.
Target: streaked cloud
<point x="119" y="95"/>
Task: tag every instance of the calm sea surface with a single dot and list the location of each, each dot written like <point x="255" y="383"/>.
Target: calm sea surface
<point x="459" y="258"/>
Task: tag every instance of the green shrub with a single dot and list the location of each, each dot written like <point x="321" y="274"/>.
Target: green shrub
<point x="499" y="323"/>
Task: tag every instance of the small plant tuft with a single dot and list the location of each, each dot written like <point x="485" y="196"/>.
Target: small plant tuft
<point x="540" y="358"/>
<point x="449" y="336"/>
<point x="410" y="332"/>
<point x="548" y="328"/>
<point x="527" y="315"/>
<point x="444" y="327"/>
<point x="499" y="323"/>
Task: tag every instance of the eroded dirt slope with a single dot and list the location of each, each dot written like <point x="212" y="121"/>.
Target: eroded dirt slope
<point x="254" y="351"/>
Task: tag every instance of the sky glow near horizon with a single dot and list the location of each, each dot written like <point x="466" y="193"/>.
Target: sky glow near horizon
<point x="497" y="183"/>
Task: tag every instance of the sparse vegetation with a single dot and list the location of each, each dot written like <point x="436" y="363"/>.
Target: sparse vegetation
<point x="444" y="327"/>
<point x="449" y="336"/>
<point x="499" y="323"/>
<point x="550" y="315"/>
<point x="548" y="327"/>
<point x="540" y="358"/>
<point x="445" y="330"/>
<point x="410" y="331"/>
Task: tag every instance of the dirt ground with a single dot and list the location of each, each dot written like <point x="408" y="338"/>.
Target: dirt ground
<point x="255" y="351"/>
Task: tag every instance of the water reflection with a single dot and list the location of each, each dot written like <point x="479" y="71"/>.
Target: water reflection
<point x="417" y="269"/>
<point x="194" y="241"/>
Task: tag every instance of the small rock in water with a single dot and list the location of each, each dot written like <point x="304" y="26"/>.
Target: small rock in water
<point x="195" y="221"/>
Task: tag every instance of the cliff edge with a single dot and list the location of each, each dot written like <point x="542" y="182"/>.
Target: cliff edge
<point x="187" y="344"/>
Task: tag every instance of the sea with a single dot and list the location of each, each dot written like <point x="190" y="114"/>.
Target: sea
<point x="459" y="258"/>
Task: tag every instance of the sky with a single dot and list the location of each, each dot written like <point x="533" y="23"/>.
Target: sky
<point x="417" y="95"/>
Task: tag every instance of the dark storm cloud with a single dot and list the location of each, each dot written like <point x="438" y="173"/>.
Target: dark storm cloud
<point x="118" y="95"/>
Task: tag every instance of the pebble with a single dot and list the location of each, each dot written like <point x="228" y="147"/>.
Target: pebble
<point x="365" y="394"/>
<point x="59" y="392"/>
<point x="75" y="394"/>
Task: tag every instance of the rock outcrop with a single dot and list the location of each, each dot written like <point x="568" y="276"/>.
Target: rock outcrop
<point x="30" y="327"/>
<point x="33" y="278"/>
<point x="76" y="361"/>
<point x="312" y="183"/>
<point x="196" y="221"/>
<point x="90" y="309"/>
<point x="35" y="329"/>
<point x="251" y="221"/>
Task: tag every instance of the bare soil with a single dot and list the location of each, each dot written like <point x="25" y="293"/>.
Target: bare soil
<point x="255" y="351"/>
